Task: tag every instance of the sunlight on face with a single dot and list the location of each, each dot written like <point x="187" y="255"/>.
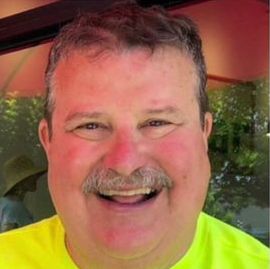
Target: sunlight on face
<point x="123" y="113"/>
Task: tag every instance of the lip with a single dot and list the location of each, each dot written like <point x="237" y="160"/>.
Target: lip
<point x="128" y="208"/>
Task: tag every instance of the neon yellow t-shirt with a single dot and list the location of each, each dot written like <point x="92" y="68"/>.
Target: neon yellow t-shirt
<point x="216" y="246"/>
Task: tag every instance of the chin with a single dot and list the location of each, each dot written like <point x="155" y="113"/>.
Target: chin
<point x="129" y="241"/>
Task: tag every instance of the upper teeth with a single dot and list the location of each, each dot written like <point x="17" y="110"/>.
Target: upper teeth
<point x="126" y="193"/>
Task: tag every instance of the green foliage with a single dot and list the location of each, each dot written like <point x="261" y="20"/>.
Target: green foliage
<point x="238" y="149"/>
<point x="19" y="119"/>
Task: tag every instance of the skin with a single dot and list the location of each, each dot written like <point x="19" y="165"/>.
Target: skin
<point x="146" y="115"/>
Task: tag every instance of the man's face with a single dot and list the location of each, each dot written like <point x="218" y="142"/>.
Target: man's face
<point x="122" y="112"/>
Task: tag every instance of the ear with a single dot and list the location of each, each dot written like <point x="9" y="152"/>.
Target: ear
<point x="44" y="136"/>
<point x="208" y="123"/>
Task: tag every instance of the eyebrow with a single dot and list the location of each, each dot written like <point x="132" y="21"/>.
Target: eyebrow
<point x="80" y="115"/>
<point x="163" y="110"/>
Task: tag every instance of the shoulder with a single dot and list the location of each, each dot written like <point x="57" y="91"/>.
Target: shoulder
<point x="45" y="229"/>
<point x="30" y="242"/>
<point x="234" y="245"/>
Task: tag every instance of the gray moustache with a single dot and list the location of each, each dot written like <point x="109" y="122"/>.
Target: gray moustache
<point x="102" y="179"/>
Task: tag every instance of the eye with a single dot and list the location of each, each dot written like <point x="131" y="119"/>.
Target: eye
<point x="156" y="128"/>
<point x="90" y="126"/>
<point x="157" y="123"/>
<point x="92" y="131"/>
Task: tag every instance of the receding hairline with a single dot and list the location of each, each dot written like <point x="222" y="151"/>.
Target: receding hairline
<point x="94" y="52"/>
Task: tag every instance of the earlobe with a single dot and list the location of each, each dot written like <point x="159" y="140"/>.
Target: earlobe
<point x="44" y="134"/>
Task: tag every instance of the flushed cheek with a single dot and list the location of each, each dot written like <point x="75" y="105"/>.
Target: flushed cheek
<point x="184" y="159"/>
<point x="71" y="161"/>
<point x="176" y="153"/>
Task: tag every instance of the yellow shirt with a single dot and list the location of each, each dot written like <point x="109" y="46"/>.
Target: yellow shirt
<point x="216" y="246"/>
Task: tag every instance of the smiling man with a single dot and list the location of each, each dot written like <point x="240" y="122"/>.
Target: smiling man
<point x="125" y="133"/>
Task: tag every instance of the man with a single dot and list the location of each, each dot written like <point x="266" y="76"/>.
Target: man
<point x="125" y="133"/>
<point x="20" y="177"/>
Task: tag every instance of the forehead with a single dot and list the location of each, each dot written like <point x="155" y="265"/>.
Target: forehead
<point x="162" y="58"/>
<point x="136" y="71"/>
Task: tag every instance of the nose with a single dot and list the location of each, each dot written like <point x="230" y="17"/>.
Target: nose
<point x="125" y="155"/>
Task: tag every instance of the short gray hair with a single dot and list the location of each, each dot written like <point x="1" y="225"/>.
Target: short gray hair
<point x="128" y="26"/>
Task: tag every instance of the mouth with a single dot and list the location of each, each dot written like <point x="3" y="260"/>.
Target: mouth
<point x="129" y="197"/>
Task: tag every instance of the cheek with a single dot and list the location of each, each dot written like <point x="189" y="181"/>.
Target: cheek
<point x="71" y="160"/>
<point x="184" y="158"/>
<point x="181" y="151"/>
